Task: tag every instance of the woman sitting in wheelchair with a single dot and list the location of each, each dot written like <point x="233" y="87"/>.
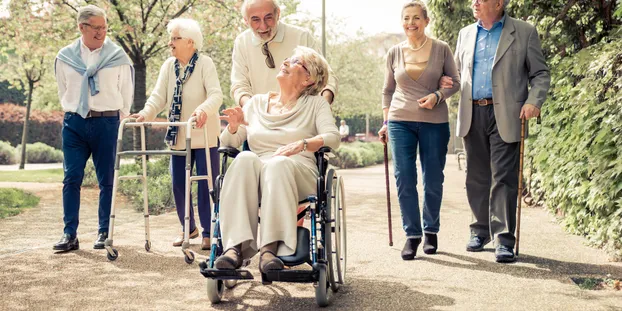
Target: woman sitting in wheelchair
<point x="283" y="131"/>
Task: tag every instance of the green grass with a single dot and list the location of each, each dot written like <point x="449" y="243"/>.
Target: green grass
<point x="13" y="201"/>
<point x="49" y="175"/>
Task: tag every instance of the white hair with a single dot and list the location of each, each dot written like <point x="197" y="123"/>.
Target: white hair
<point x="86" y="12"/>
<point x="188" y="28"/>
<point x="243" y="8"/>
<point x="316" y="65"/>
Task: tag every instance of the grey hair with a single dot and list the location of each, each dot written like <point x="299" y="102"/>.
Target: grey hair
<point x="188" y="28"/>
<point x="317" y="66"/>
<point x="86" y="12"/>
<point x="243" y="8"/>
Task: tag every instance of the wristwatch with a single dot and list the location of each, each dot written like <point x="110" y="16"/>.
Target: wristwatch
<point x="304" y="145"/>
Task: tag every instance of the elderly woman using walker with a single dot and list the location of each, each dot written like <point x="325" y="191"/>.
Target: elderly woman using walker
<point x="188" y="87"/>
<point x="283" y="131"/>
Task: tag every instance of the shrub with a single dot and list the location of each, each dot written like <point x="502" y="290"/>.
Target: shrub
<point x="7" y="153"/>
<point x="40" y="153"/>
<point x="576" y="151"/>
<point x="358" y="154"/>
<point x="159" y="184"/>
<point x="12" y="201"/>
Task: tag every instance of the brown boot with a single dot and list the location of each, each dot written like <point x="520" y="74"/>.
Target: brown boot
<point x="206" y="243"/>
<point x="180" y="239"/>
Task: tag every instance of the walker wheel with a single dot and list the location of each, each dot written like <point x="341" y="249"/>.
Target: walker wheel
<point x="112" y="257"/>
<point x="189" y="258"/>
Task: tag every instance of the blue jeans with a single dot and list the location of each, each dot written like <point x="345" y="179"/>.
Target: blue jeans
<point x="432" y="140"/>
<point x="178" y="173"/>
<point x="81" y="139"/>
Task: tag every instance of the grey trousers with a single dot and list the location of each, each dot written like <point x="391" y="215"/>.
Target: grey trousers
<point x="492" y="178"/>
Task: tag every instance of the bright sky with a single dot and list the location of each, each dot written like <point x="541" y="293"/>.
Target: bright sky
<point x="372" y="16"/>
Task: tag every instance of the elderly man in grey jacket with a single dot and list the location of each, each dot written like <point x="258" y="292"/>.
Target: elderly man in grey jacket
<point x="504" y="78"/>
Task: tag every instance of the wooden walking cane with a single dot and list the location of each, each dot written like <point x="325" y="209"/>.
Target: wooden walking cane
<point x="386" y="174"/>
<point x="520" y="183"/>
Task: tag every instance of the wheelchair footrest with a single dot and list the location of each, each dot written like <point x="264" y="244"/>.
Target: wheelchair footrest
<point x="227" y="274"/>
<point x="294" y="276"/>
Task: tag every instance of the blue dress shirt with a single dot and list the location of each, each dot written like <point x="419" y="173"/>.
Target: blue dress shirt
<point x="484" y="55"/>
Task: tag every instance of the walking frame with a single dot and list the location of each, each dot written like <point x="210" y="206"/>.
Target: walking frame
<point x="112" y="253"/>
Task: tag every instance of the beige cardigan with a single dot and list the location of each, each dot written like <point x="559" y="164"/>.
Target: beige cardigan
<point x="201" y="91"/>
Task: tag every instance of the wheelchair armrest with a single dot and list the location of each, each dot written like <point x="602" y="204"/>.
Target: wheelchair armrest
<point x="323" y="150"/>
<point x="229" y="151"/>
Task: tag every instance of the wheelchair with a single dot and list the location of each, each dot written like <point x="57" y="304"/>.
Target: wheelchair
<point x="322" y="247"/>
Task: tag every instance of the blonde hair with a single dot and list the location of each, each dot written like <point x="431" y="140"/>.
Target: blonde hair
<point x="316" y="65"/>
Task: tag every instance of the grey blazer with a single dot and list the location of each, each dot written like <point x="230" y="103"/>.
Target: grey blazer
<point x="519" y="62"/>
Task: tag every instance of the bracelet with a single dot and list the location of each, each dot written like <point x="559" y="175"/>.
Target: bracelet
<point x="438" y="99"/>
<point x="304" y="145"/>
<point x="385" y="122"/>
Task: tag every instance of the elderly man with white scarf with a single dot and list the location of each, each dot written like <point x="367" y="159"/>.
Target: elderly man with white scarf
<point x="95" y="87"/>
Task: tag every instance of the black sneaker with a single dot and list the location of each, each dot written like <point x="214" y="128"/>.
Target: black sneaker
<point x="504" y="254"/>
<point x="477" y="243"/>
<point x="67" y="243"/>
<point x="101" y="239"/>
<point x="410" y="248"/>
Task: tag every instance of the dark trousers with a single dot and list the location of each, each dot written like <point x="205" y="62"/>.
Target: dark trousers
<point x="81" y="139"/>
<point x="492" y="178"/>
<point x="178" y="173"/>
<point x="432" y="140"/>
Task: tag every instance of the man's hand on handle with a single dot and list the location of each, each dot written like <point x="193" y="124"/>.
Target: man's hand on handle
<point x="529" y="111"/>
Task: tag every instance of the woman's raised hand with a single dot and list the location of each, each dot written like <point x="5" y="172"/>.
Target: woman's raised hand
<point x="235" y="118"/>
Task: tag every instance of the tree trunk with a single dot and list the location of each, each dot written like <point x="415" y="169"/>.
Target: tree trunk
<point x="22" y="161"/>
<point x="140" y="89"/>
<point x="367" y="126"/>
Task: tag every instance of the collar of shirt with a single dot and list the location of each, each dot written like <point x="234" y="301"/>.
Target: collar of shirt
<point x="85" y="49"/>
<point x="500" y="23"/>
<point x="280" y="35"/>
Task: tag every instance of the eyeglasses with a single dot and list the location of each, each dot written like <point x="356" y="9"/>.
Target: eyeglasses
<point x="266" y="52"/>
<point x="96" y="28"/>
<point x="173" y="39"/>
<point x="296" y="61"/>
<point x="478" y="1"/>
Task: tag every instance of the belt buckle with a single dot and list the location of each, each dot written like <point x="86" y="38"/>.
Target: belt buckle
<point x="481" y="102"/>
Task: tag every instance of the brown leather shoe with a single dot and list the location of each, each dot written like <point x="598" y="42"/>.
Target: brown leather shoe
<point x="206" y="243"/>
<point x="180" y="239"/>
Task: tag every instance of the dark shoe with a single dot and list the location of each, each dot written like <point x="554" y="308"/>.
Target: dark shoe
<point x="231" y="259"/>
<point x="101" y="238"/>
<point x="206" y="243"/>
<point x="505" y="254"/>
<point x="67" y="243"/>
<point x="477" y="243"/>
<point x="410" y="248"/>
<point x="430" y="245"/>
<point x="269" y="262"/>
<point x="180" y="239"/>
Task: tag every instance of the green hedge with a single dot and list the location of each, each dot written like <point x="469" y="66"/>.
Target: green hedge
<point x="577" y="151"/>
<point x="358" y="154"/>
<point x="39" y="153"/>
<point x="7" y="153"/>
<point x="159" y="185"/>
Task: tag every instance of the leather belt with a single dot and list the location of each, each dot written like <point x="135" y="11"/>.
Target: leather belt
<point x="483" y="102"/>
<point x="98" y="114"/>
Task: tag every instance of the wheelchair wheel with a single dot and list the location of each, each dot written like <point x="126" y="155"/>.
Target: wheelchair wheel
<point x="330" y="231"/>
<point x="340" y="235"/>
<point x="215" y="289"/>
<point x="322" y="288"/>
